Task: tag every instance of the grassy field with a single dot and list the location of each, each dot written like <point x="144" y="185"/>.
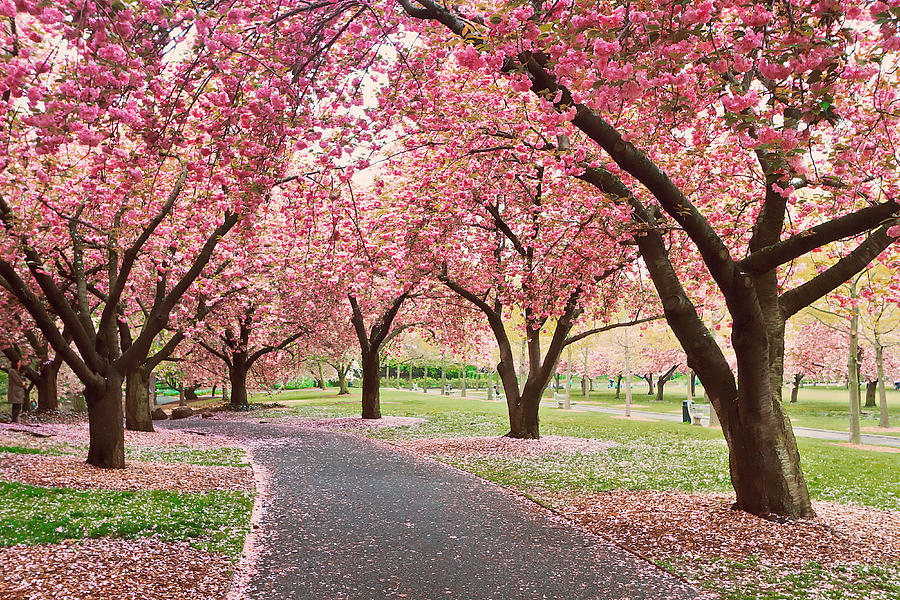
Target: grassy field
<point x="817" y="407"/>
<point x="650" y="455"/>
<point x="212" y="521"/>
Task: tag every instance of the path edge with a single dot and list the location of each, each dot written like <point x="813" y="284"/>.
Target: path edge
<point x="247" y="566"/>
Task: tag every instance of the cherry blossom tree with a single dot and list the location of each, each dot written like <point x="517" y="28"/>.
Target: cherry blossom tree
<point x="496" y="202"/>
<point x="28" y="352"/>
<point x="816" y="352"/>
<point x="267" y="300"/>
<point x="136" y="137"/>
<point x="753" y="94"/>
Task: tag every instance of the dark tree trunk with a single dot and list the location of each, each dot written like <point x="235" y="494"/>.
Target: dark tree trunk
<point x="871" y="389"/>
<point x="190" y="392"/>
<point x="237" y="375"/>
<point x="763" y="455"/>
<point x="649" y="379"/>
<point x="48" y="394"/>
<point x="693" y="383"/>
<point x="137" y="401"/>
<point x="661" y="383"/>
<point x="107" y="432"/>
<point x="342" y="380"/>
<point x="371" y="384"/>
<point x="795" y="390"/>
<point x="618" y="386"/>
<point x="523" y="416"/>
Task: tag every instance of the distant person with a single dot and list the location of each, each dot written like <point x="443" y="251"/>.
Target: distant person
<point x="897" y="385"/>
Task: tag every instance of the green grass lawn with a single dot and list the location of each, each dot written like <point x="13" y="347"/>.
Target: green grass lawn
<point x="817" y="407"/>
<point x="212" y="521"/>
<point x="651" y="455"/>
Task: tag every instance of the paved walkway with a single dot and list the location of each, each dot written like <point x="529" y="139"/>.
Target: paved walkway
<point x="351" y="519"/>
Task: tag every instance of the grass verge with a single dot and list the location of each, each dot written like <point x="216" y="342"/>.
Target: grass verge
<point x="211" y="521"/>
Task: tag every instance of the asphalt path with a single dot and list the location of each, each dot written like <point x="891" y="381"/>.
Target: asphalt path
<point x="352" y="519"/>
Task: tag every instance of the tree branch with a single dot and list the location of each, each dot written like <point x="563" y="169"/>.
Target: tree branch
<point x="578" y="337"/>
<point x="799" y="244"/>
<point x="831" y="278"/>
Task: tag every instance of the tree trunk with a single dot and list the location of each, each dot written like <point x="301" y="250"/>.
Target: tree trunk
<point x="627" y="376"/>
<point x="661" y="383"/>
<point x="584" y="377"/>
<point x="462" y="380"/>
<point x="568" y="401"/>
<point x="883" y="419"/>
<point x="190" y="392"/>
<point x="693" y="383"/>
<point x="853" y="368"/>
<point x="649" y="379"/>
<point x="137" y="401"/>
<point x="106" y="429"/>
<point x="409" y="377"/>
<point x="237" y="375"/>
<point x="342" y="380"/>
<point x="795" y="390"/>
<point x="48" y="394"/>
<point x="371" y="392"/>
<point x="321" y="376"/>
<point x="619" y="386"/>
<point x="763" y="457"/>
<point x="871" y="387"/>
<point x="523" y="416"/>
<point x="443" y="375"/>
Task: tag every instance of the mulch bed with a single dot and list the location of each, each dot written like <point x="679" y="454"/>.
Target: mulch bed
<point x="73" y="472"/>
<point x="354" y="422"/>
<point x="102" y="569"/>
<point x="37" y="436"/>
<point x="504" y="446"/>
<point x="668" y="525"/>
